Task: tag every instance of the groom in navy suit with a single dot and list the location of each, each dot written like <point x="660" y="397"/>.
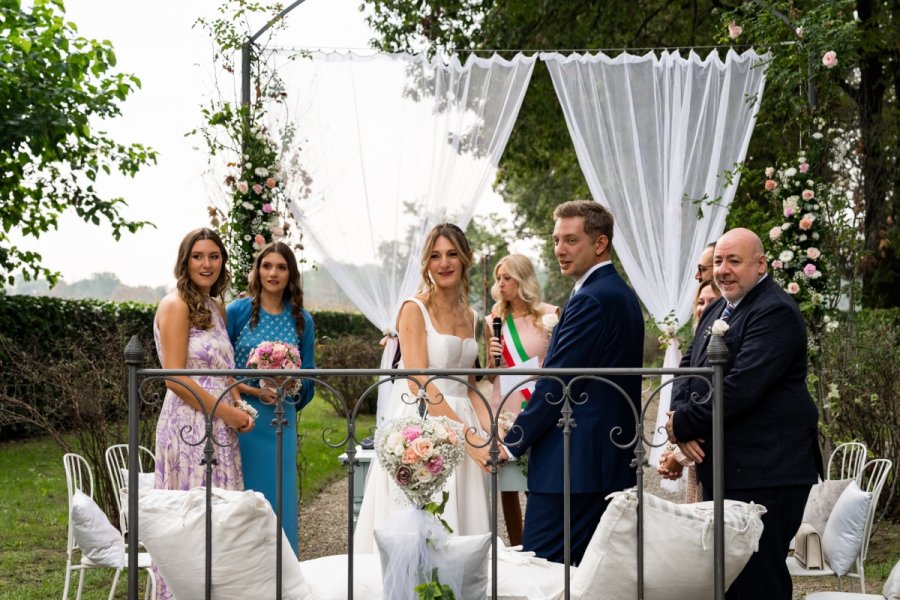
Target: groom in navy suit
<point x="771" y="449"/>
<point x="601" y="326"/>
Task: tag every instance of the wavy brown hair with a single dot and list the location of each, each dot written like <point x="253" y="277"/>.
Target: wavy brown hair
<point x="456" y="237"/>
<point x="198" y="312"/>
<point x="293" y="292"/>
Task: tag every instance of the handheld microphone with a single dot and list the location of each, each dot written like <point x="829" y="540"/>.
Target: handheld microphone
<point x="497" y="324"/>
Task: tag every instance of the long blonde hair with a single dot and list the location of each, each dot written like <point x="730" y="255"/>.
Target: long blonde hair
<point x="199" y="313"/>
<point x="456" y="237"/>
<point x="521" y="269"/>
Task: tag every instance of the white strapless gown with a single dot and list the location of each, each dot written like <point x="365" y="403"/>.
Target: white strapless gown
<point x="467" y="508"/>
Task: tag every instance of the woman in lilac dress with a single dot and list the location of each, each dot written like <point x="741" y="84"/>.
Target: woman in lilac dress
<point x="190" y="333"/>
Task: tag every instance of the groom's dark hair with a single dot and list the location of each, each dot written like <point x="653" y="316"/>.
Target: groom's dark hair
<point x="597" y="218"/>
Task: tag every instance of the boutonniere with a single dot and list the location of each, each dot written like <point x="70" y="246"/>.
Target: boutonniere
<point x="549" y="321"/>
<point x="719" y="327"/>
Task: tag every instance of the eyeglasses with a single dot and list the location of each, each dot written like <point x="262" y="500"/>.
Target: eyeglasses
<point x="702" y="269"/>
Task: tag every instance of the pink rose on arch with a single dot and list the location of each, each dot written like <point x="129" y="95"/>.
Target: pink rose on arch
<point x="271" y="183"/>
<point x="829" y="59"/>
<point x="813" y="253"/>
<point x="793" y="288"/>
<point x="789" y="211"/>
<point x="808" y="195"/>
<point x="775" y="233"/>
<point x="259" y="240"/>
<point x="804" y="167"/>
<point x="809" y="269"/>
<point x="734" y="30"/>
<point x="777" y="264"/>
<point x="267" y="208"/>
<point x="770" y="185"/>
<point x="257" y="189"/>
<point x="805" y="224"/>
<point x="242" y="187"/>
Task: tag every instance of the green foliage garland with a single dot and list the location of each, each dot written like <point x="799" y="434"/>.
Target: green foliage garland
<point x="257" y="210"/>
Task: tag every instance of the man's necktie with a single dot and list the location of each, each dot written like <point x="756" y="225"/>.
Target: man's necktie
<point x="729" y="308"/>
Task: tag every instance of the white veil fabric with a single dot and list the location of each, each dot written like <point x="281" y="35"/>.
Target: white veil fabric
<point x="386" y="146"/>
<point x="658" y="139"/>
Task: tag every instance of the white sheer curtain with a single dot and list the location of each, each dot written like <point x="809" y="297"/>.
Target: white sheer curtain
<point x="385" y="147"/>
<point x="656" y="138"/>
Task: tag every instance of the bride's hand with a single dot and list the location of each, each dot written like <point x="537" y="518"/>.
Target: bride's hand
<point x="481" y="456"/>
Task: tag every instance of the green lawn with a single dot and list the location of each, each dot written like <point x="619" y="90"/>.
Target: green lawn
<point x="33" y="508"/>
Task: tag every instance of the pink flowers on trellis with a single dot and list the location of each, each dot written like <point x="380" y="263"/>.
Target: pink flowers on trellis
<point x="794" y="252"/>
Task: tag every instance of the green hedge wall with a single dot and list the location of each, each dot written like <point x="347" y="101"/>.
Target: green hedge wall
<point x="49" y="327"/>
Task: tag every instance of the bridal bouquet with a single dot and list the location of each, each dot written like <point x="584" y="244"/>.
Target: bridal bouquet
<point x="275" y="355"/>
<point x="419" y="455"/>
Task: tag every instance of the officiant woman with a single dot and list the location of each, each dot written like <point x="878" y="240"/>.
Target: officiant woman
<point x="525" y="335"/>
<point x="273" y="312"/>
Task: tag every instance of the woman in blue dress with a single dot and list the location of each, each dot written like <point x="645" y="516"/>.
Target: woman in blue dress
<point x="273" y="312"/>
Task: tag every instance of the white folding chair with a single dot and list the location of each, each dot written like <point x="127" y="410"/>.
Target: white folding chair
<point x="80" y="478"/>
<point x="846" y="461"/>
<point x="117" y="467"/>
<point x="871" y="478"/>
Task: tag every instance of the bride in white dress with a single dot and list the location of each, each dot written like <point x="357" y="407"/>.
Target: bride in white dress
<point x="437" y="331"/>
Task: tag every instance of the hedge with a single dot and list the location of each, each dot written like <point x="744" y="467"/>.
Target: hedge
<point x="48" y="328"/>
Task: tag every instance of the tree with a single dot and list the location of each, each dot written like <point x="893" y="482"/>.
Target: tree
<point x="55" y="88"/>
<point x="539" y="168"/>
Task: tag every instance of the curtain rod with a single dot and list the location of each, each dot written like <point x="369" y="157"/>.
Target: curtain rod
<point x="536" y="50"/>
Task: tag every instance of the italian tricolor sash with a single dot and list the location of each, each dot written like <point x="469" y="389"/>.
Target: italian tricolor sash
<point x="514" y="351"/>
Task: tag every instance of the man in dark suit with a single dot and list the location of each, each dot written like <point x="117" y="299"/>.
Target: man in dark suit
<point x="771" y="451"/>
<point x="601" y="326"/>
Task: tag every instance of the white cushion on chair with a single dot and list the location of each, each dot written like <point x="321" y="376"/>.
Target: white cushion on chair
<point x="146" y="481"/>
<point x="821" y="501"/>
<point x="843" y="535"/>
<point x="678" y="548"/>
<point x="173" y="526"/>
<point x="100" y="542"/>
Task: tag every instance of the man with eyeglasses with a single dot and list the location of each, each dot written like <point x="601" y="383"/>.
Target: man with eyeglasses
<point x="705" y="264"/>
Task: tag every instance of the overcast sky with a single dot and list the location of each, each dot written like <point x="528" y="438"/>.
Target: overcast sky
<point x="157" y="42"/>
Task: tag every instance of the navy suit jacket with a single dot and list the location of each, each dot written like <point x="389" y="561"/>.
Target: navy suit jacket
<point x="770" y="418"/>
<point x="601" y="326"/>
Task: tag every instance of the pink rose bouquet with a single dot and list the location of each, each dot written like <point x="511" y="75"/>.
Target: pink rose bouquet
<point x="275" y="356"/>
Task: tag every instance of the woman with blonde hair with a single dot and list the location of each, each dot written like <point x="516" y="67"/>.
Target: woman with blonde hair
<point x="526" y="325"/>
<point x="437" y="328"/>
